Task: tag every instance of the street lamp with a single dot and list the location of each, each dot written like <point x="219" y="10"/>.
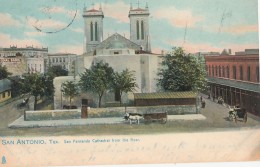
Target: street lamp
<point x="61" y="96"/>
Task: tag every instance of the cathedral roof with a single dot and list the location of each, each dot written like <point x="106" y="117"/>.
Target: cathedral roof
<point x="92" y="10"/>
<point x="117" y="41"/>
<point x="138" y="9"/>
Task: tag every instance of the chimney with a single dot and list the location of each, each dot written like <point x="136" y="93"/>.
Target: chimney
<point x="229" y="52"/>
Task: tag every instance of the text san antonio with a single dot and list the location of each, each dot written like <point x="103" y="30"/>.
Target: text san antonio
<point x="23" y="142"/>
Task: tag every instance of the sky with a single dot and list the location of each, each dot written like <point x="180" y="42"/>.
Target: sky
<point x="195" y="25"/>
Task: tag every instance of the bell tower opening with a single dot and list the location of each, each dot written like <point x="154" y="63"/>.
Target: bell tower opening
<point x="93" y="19"/>
<point x="139" y="26"/>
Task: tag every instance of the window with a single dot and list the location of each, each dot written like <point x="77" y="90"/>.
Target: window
<point x="209" y="71"/>
<point x="116" y="53"/>
<point x="3" y="95"/>
<point x="213" y="72"/>
<point x="96" y="32"/>
<point x="227" y="71"/>
<point x="91" y="31"/>
<point x="137" y="29"/>
<point x="257" y="74"/>
<point x="142" y="30"/>
<point x="216" y="68"/>
<point x="219" y="71"/>
<point x="223" y="71"/>
<point x="248" y="73"/>
<point x="234" y="72"/>
<point x="9" y="93"/>
<point x="241" y="72"/>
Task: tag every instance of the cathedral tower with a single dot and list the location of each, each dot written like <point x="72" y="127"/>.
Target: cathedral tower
<point x="139" y="27"/>
<point x="93" y="28"/>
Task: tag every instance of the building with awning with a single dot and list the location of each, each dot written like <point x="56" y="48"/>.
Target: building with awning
<point x="165" y="98"/>
<point x="235" y="78"/>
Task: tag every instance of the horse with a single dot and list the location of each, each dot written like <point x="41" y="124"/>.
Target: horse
<point x="133" y="117"/>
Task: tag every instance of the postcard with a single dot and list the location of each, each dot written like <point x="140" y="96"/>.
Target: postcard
<point x="129" y="83"/>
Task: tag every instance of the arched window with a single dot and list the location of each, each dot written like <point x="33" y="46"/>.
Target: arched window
<point x="137" y="30"/>
<point x="216" y="68"/>
<point x="241" y="72"/>
<point x="257" y="74"/>
<point x="219" y="71"/>
<point x="227" y="71"/>
<point x="96" y="32"/>
<point x="91" y="32"/>
<point x="142" y="30"/>
<point x="248" y="73"/>
<point x="234" y="72"/>
<point x="223" y="71"/>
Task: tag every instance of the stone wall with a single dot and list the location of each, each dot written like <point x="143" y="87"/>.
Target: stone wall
<point x="52" y="115"/>
<point x="120" y="111"/>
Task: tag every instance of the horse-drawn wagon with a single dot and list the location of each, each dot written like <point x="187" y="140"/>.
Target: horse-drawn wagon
<point x="237" y="113"/>
<point x="157" y="116"/>
<point x="24" y="103"/>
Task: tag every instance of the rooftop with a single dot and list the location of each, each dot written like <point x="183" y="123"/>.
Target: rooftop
<point x="5" y="84"/>
<point x="61" y="54"/>
<point x="15" y="48"/>
<point x="165" y="95"/>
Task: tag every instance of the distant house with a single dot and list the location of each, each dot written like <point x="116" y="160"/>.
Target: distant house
<point x="165" y="98"/>
<point x="5" y="90"/>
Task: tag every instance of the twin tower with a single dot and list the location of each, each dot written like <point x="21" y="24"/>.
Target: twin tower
<point x="139" y="27"/>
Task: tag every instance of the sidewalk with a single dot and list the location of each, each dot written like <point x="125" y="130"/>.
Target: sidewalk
<point x="20" y="123"/>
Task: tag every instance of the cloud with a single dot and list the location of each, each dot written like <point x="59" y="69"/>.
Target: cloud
<point x="75" y="49"/>
<point x="34" y="33"/>
<point x="178" y="18"/>
<point x="240" y="29"/>
<point x="7" y="41"/>
<point x="49" y="11"/>
<point x="157" y="50"/>
<point x="78" y="30"/>
<point x="192" y="47"/>
<point x="46" y="24"/>
<point x="8" y="20"/>
<point x="120" y="13"/>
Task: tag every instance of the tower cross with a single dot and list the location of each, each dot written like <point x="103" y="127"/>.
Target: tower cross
<point x="138" y="3"/>
<point x="92" y="4"/>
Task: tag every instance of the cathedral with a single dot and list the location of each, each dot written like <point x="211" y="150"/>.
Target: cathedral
<point x="119" y="52"/>
<point x="139" y="28"/>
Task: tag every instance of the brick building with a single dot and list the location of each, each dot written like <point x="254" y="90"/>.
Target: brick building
<point x="24" y="60"/>
<point x="235" y="78"/>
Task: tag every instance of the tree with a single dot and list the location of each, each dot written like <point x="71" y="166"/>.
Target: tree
<point x="70" y="90"/>
<point x="97" y="79"/>
<point x="16" y="87"/>
<point x="181" y="72"/>
<point x="124" y="82"/>
<point x="35" y="85"/>
<point x="56" y="71"/>
<point x="4" y="72"/>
